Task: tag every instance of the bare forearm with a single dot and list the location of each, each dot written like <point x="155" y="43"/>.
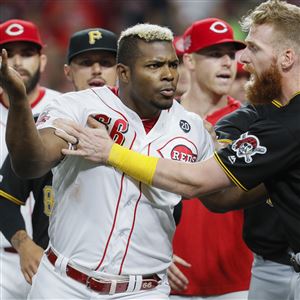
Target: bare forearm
<point x="234" y="198"/>
<point x="22" y="138"/>
<point x="190" y="180"/>
<point x="30" y="157"/>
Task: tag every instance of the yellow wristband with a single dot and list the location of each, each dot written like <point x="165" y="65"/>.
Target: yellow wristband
<point x="136" y="165"/>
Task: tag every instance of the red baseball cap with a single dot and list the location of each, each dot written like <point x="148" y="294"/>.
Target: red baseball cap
<point x="19" y="31"/>
<point x="208" y="32"/>
<point x="178" y="45"/>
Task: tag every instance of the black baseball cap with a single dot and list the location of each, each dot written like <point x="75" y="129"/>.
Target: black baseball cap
<point x="92" y="39"/>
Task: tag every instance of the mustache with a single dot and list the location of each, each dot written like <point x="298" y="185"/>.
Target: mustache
<point x="22" y="71"/>
<point x="249" y="69"/>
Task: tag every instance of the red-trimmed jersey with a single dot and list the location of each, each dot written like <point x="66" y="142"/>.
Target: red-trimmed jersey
<point x="213" y="243"/>
<point x="102" y="219"/>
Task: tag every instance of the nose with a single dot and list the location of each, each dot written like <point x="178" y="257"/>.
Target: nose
<point x="244" y="56"/>
<point x="96" y="68"/>
<point x="227" y="60"/>
<point x="16" y="60"/>
<point x="168" y="73"/>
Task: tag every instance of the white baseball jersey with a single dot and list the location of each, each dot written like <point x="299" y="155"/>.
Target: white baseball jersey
<point x="12" y="283"/>
<point x="102" y="219"/>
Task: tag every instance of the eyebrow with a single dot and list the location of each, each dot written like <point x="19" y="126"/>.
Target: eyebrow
<point x="161" y="60"/>
<point x="251" y="43"/>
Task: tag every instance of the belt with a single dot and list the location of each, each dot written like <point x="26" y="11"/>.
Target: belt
<point x="104" y="286"/>
<point x="10" y="250"/>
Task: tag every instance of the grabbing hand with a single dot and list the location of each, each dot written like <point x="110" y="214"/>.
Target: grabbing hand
<point x="11" y="81"/>
<point x="30" y="253"/>
<point x="92" y="143"/>
<point x="213" y="135"/>
<point x="30" y="257"/>
<point x="177" y="280"/>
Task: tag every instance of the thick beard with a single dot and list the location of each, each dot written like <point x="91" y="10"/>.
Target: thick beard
<point x="33" y="81"/>
<point x="265" y="88"/>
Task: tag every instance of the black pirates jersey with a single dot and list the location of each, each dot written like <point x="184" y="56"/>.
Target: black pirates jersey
<point x="14" y="192"/>
<point x="263" y="231"/>
<point x="268" y="151"/>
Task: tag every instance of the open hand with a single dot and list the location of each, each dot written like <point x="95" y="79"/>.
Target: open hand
<point x="177" y="280"/>
<point x="11" y="81"/>
<point x="30" y="258"/>
<point x="92" y="143"/>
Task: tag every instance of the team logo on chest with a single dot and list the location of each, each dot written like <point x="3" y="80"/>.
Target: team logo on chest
<point x="180" y="149"/>
<point x="247" y="146"/>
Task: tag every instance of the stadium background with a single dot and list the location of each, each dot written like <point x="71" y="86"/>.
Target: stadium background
<point x="58" y="19"/>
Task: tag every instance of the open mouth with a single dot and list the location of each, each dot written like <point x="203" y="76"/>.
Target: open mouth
<point x="96" y="82"/>
<point x="224" y="76"/>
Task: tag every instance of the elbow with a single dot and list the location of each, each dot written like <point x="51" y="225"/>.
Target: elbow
<point x="21" y="171"/>
<point x="189" y="192"/>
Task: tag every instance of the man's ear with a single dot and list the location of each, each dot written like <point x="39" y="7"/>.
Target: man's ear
<point x="67" y="71"/>
<point x="43" y="62"/>
<point x="123" y="72"/>
<point x="287" y="59"/>
<point x="188" y="61"/>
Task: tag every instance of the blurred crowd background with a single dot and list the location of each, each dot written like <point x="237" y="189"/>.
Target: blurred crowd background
<point x="58" y="19"/>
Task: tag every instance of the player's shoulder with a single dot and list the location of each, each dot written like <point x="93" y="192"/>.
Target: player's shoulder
<point x="51" y="92"/>
<point x="106" y="92"/>
<point x="182" y="112"/>
<point x="76" y="96"/>
<point x="245" y="112"/>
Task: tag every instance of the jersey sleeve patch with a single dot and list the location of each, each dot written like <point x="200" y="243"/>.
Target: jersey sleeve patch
<point x="247" y="146"/>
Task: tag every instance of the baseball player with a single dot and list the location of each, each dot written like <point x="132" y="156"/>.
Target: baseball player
<point x="109" y="236"/>
<point x="263" y="230"/>
<point x="267" y="152"/>
<point x="210" y="60"/>
<point x="24" y="47"/>
<point x="100" y="70"/>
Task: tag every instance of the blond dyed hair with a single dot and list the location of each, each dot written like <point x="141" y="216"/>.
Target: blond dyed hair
<point x="128" y="50"/>
<point x="283" y="16"/>
<point x="148" y="33"/>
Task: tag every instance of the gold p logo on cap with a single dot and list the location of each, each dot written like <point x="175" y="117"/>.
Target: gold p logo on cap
<point x="94" y="35"/>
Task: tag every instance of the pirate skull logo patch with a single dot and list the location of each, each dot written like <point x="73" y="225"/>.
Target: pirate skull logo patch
<point x="247" y="146"/>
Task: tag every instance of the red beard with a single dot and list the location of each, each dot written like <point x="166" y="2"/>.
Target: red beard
<point x="265" y="88"/>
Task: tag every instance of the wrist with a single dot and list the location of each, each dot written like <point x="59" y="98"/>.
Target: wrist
<point x="20" y="239"/>
<point x="109" y="152"/>
<point x="136" y="165"/>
